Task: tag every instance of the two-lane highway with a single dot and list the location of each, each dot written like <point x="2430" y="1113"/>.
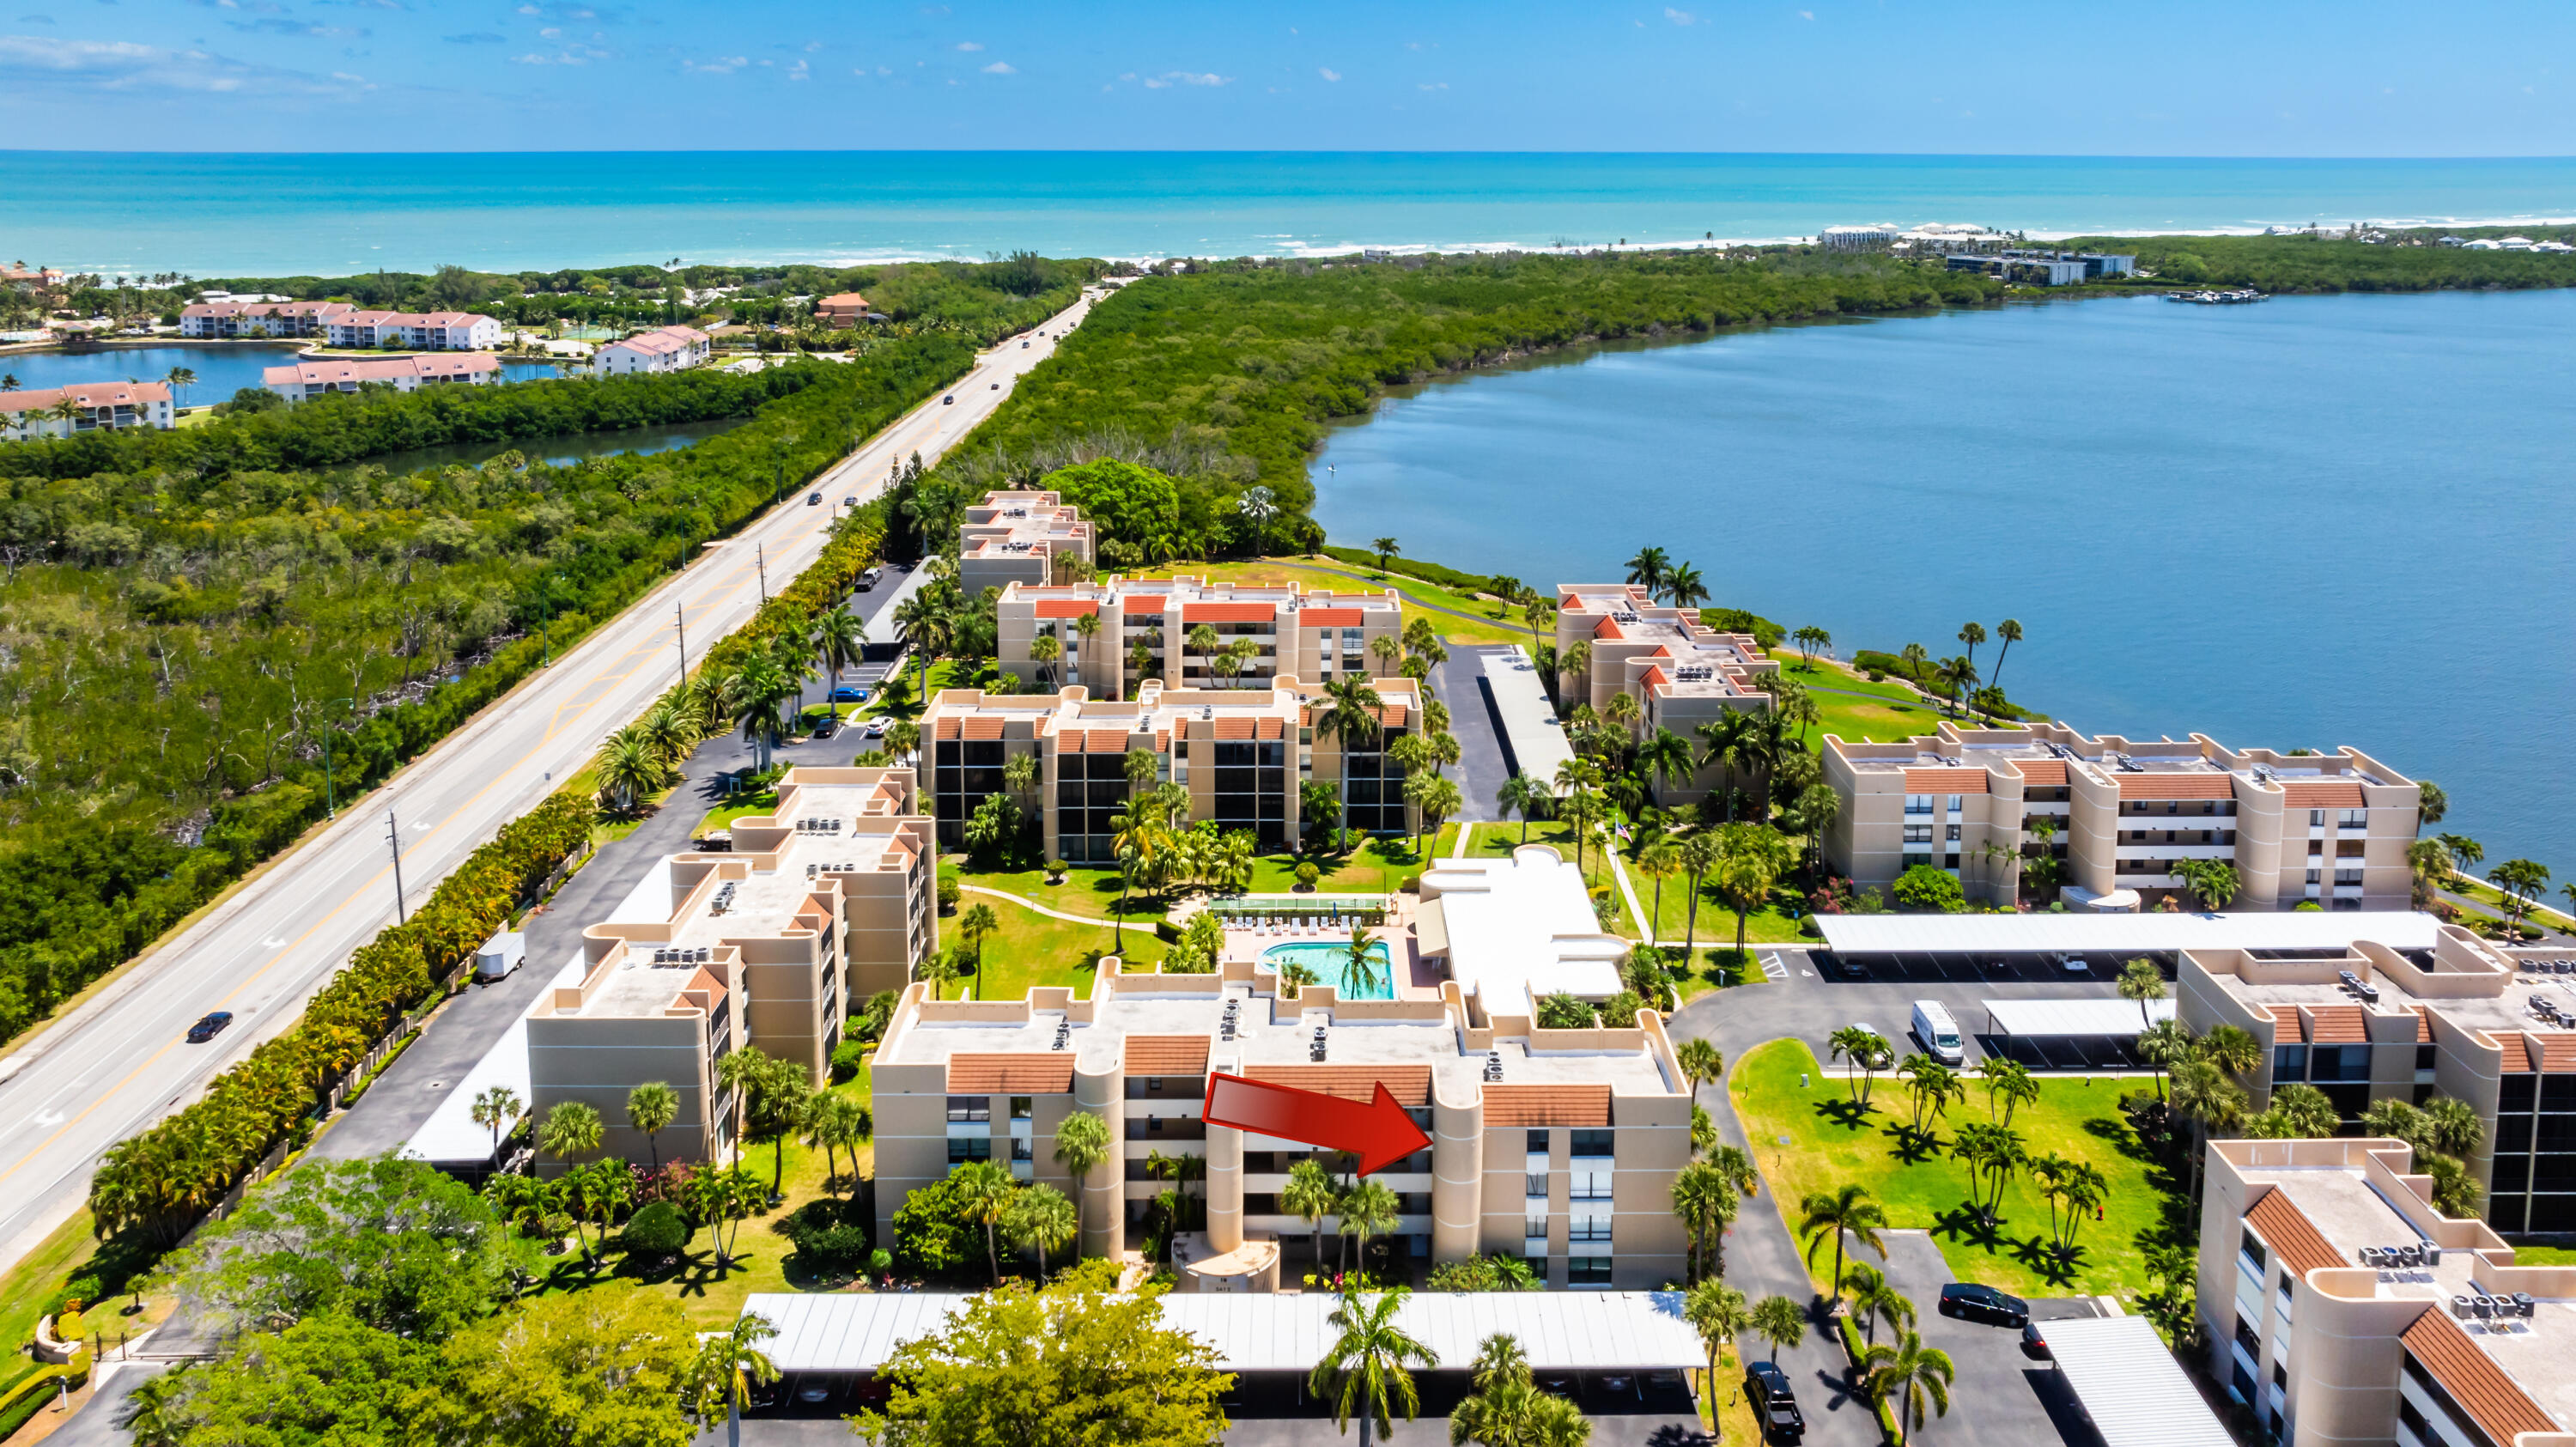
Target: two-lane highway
<point x="119" y="1062"/>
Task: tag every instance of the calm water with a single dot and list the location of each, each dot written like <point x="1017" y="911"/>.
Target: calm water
<point x="333" y="215"/>
<point x="561" y="451"/>
<point x="221" y="370"/>
<point x="2318" y="521"/>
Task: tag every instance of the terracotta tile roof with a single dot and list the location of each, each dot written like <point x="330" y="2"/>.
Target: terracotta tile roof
<point x="1167" y="1054"/>
<point x="1945" y="781"/>
<point x="944" y="727"/>
<point x="2337" y="1025"/>
<point x="1229" y="612"/>
<point x="1330" y="618"/>
<point x="1391" y="716"/>
<point x="87" y="394"/>
<point x="2176" y="786"/>
<point x="1143" y="603"/>
<point x="2557" y="1051"/>
<point x="704" y="981"/>
<point x="2423" y="1025"/>
<point x="1274" y="728"/>
<point x="2287" y="1026"/>
<point x="2043" y="773"/>
<point x="981" y="726"/>
<point x="1066" y="607"/>
<point x="1653" y="677"/>
<point x="1234" y="728"/>
<point x="2287" y="1231"/>
<point x="1099" y="741"/>
<point x="2324" y="794"/>
<point x="1409" y="1084"/>
<point x="1582" y="1107"/>
<point x="2517" y="1056"/>
<point x="2483" y="1389"/>
<point x="1609" y="628"/>
<point x="1031" y="1073"/>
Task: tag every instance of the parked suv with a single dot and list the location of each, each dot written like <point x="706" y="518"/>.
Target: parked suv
<point x="1767" y="1387"/>
<point x="1983" y="1303"/>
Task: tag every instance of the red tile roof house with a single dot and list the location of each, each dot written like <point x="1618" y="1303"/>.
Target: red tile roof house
<point x="848" y="308"/>
<point x="29" y="414"/>
<point x="261" y="319"/>
<point x="663" y="349"/>
<point x="430" y="331"/>
<point x="302" y="381"/>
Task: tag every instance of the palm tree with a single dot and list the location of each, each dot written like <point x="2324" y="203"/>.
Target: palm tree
<point x="1700" y="1062"/>
<point x="2466" y="853"/>
<point x="1505" y="1409"/>
<point x="2521" y="882"/>
<point x="1959" y="680"/>
<point x="2009" y="631"/>
<point x="180" y="380"/>
<point x="2162" y="1046"/>
<point x="1972" y="634"/>
<point x="1351" y="711"/>
<point x="1683" y="587"/>
<point x="1848" y="1211"/>
<point x="1085" y="629"/>
<point x="1707" y="1202"/>
<point x="1663" y="756"/>
<point x="650" y="1108"/>
<point x="1719" y="1314"/>
<point x="1368" y="1209"/>
<point x="1865" y="1048"/>
<point x="1912" y="1374"/>
<point x="570" y="1129"/>
<point x="1309" y="1193"/>
<point x="1992" y="1153"/>
<point x="2211" y="881"/>
<point x="1140" y="661"/>
<point x="1646" y="570"/>
<point x="728" y="1365"/>
<point x="1365" y="1372"/>
<point x="1933" y="1086"/>
<point x="2204" y="1095"/>
<point x="1386" y="549"/>
<point x="843" y="639"/>
<point x="977" y="924"/>
<point x="629" y="767"/>
<point x="1700" y="853"/>
<point x="1658" y="859"/>
<point x="495" y="1107"/>
<point x="1081" y="1144"/>
<point x="984" y="1191"/>
<point x="2009" y="1081"/>
<point x="1779" y="1321"/>
<point x="1751" y="859"/>
<point x="2142" y="981"/>
<point x="1527" y="795"/>
<point x="1040" y="1216"/>
<point x="1435" y="801"/>
<point x="1874" y="1300"/>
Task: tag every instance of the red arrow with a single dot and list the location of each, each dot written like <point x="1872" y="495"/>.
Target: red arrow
<point x="1380" y="1133"/>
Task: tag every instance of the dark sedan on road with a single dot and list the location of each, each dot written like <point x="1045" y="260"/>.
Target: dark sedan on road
<point x="209" y="1027"/>
<point x="1767" y="1388"/>
<point x="1970" y="1302"/>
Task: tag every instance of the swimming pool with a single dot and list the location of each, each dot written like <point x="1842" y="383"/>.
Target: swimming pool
<point x="1330" y="961"/>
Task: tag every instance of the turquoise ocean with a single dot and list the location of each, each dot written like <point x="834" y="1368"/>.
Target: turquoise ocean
<point x="284" y="215"/>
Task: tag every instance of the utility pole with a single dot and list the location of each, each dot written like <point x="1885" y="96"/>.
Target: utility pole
<point x="682" y="609"/>
<point x="760" y="560"/>
<point x="330" y="804"/>
<point x="393" y="836"/>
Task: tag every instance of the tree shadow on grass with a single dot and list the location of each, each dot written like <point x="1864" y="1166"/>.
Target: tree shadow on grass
<point x="1913" y="1147"/>
<point x="1847" y="1113"/>
<point x="2048" y="1262"/>
<point x="1968" y="1226"/>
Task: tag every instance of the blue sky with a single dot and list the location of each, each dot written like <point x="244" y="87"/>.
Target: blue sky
<point x="2180" y="77"/>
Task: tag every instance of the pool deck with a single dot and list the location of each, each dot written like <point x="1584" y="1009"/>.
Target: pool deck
<point x="1417" y="978"/>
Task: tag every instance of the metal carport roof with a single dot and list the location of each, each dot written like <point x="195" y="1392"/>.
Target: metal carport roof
<point x="1885" y="934"/>
<point x="2130" y="1386"/>
<point x="2070" y="1017"/>
<point x="1560" y="1330"/>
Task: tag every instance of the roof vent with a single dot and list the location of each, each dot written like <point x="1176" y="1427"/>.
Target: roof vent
<point x="1494" y="1065"/>
<point x="1063" y="1034"/>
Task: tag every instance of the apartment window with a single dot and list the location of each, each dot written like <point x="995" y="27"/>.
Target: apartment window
<point x="1918" y="833"/>
<point x="1593" y="1142"/>
<point x="1587" y="1271"/>
<point x="1537" y="1142"/>
<point x="2347" y="877"/>
<point x="2289" y="1063"/>
<point x="2355" y="819"/>
<point x="1918" y="803"/>
<point x="2255" y="1257"/>
<point x="2316" y="818"/>
<point x="962" y="1151"/>
<point x="1912" y="859"/>
<point x="1589" y="1229"/>
<point x="2248" y="1338"/>
<point x="2316" y="876"/>
<point x="1534" y="1228"/>
<point x="1023" y="1107"/>
<point x="1154" y="1083"/>
<point x="1958" y="802"/>
<point x="1534" y="1185"/>
<point x="970" y="1107"/>
<point x="1954" y="834"/>
<point x="1021" y="1149"/>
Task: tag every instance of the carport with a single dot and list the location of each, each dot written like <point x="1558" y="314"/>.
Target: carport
<point x="2068" y="1034"/>
<point x="2130" y="1386"/>
<point x="2077" y="948"/>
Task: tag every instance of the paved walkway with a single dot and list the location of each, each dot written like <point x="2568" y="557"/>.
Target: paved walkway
<point x="1024" y="902"/>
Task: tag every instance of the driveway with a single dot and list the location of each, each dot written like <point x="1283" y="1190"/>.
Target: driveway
<point x="1460" y="683"/>
<point x="2008" y="1396"/>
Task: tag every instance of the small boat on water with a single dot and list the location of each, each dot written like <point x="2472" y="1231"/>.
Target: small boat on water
<point x="2218" y="298"/>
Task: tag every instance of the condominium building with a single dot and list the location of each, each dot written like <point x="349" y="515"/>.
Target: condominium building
<point x="1241" y="753"/>
<point x="35" y="412"/>
<point x="429" y="331"/>
<point x="2341" y="1307"/>
<point x="2371" y="1023"/>
<point x="1016" y="537"/>
<point x="1273" y="630"/>
<point x="663" y="349"/>
<point x="302" y="381"/>
<point x="2118" y="814"/>
<point x="829" y="898"/>
<point x="1555" y="1146"/>
<point x="1681" y="674"/>
<point x="261" y="319"/>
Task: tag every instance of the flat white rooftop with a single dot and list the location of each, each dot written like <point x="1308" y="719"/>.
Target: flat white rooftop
<point x="1888" y="934"/>
<point x="1530" y="728"/>
<point x="2130" y="1386"/>
<point x="1560" y="1330"/>
<point x="1520" y="929"/>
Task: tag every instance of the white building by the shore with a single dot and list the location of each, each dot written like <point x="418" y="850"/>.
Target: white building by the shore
<point x="301" y="381"/>
<point x="663" y="349"/>
<point x="254" y="318"/>
<point x="34" y="413"/>
<point x="429" y="331"/>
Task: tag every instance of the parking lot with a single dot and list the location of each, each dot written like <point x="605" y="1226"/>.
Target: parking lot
<point x="1999" y="1392"/>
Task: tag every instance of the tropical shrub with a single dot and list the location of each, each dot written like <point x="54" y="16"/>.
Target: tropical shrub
<point x="1928" y="890"/>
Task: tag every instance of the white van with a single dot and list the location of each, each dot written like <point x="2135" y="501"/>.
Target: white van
<point x="1938" y="1032"/>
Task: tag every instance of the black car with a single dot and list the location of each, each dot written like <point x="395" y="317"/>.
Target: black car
<point x="1983" y="1303"/>
<point x="206" y="1029"/>
<point x="813" y="499"/>
<point x="1767" y="1387"/>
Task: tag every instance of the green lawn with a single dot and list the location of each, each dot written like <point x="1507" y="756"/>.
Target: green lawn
<point x="1489" y="625"/>
<point x="1378" y="866"/>
<point x="2544" y="1256"/>
<point x="1831" y="1143"/>
<point x="1031" y="949"/>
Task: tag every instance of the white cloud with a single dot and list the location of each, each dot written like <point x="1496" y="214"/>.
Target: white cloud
<point x="1327" y="72"/>
<point x="125" y="66"/>
<point x="969" y="45"/>
<point x="720" y="65"/>
<point x="813" y="45"/>
<point x="1172" y="78"/>
<point x="552" y="32"/>
<point x="1679" y="17"/>
<point x="799" y="71"/>
<point x="1000" y="67"/>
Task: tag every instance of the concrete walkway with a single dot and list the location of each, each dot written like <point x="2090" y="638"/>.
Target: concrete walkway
<point x="1024" y="902"/>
